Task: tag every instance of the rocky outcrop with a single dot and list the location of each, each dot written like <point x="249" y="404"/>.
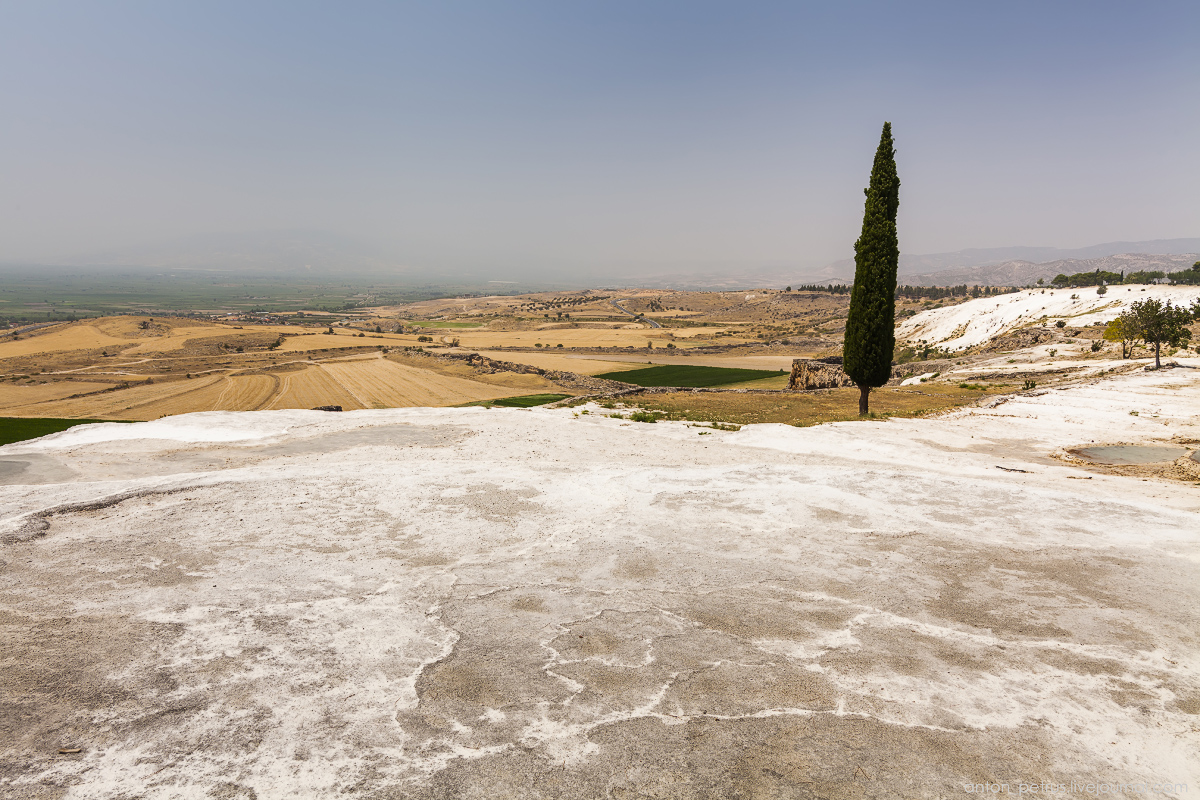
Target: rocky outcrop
<point x="1021" y="338"/>
<point x="902" y="371"/>
<point x="568" y="380"/>
<point x="811" y="373"/>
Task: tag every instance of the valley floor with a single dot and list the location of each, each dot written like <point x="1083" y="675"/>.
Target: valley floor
<point x="538" y="603"/>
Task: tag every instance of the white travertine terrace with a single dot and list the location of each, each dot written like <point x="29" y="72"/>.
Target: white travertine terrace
<point x="977" y="321"/>
<point x="534" y="603"/>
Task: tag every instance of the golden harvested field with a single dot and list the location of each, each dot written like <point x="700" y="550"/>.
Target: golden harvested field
<point x="57" y="340"/>
<point x="570" y="337"/>
<point x="132" y="326"/>
<point x="311" y="387"/>
<point x="583" y="365"/>
<point x="352" y="384"/>
<point x="379" y="383"/>
<point x="169" y="366"/>
<point x="783" y="361"/>
<point x="13" y="396"/>
<point x="141" y="402"/>
<point x="143" y="368"/>
<point x="179" y="339"/>
<point x="231" y="393"/>
<point x="325" y="341"/>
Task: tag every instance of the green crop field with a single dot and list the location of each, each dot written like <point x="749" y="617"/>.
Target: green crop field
<point x="20" y="429"/>
<point x="685" y="375"/>
<point x="524" y="401"/>
<point x="441" y="324"/>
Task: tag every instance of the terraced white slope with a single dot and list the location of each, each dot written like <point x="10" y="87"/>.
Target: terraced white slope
<point x="436" y="603"/>
<point x="975" y="322"/>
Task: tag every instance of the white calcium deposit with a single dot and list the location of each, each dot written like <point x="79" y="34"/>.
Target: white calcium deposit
<point x="975" y="322"/>
<point x="431" y="603"/>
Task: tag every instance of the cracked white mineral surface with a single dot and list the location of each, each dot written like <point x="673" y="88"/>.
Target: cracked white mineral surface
<point x="435" y="603"/>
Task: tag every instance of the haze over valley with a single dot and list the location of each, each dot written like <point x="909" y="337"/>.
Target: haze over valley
<point x="542" y="400"/>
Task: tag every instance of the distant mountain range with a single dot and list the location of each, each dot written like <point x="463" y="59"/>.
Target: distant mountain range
<point x="1021" y="273"/>
<point x="321" y="253"/>
<point x="1001" y="266"/>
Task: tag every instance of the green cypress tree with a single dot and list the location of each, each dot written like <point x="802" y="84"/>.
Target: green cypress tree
<point x="870" y="328"/>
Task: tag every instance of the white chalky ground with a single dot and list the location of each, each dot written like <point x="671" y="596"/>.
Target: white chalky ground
<point x="435" y="603"/>
<point x="975" y="322"/>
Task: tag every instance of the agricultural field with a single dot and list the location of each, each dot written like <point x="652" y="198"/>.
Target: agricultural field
<point x="35" y="294"/>
<point x="804" y="408"/>
<point x="565" y="361"/>
<point x="522" y="401"/>
<point x="14" y="395"/>
<point x="144" y="366"/>
<point x="689" y="376"/>
<point x="140" y="367"/>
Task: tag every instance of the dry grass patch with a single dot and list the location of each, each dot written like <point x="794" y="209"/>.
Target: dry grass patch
<point x="58" y="340"/>
<point x="633" y="335"/>
<point x="561" y="362"/>
<point x="328" y="341"/>
<point x="14" y="395"/>
<point x="232" y="393"/>
<point x="143" y="401"/>
<point x="460" y="369"/>
<point x="131" y="327"/>
<point x="777" y="382"/>
<point x="312" y="387"/>
<point x="384" y="383"/>
<point x="806" y="408"/>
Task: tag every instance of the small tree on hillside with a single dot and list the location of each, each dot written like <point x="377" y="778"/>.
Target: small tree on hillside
<point x="871" y="326"/>
<point x="1121" y="330"/>
<point x="1158" y="324"/>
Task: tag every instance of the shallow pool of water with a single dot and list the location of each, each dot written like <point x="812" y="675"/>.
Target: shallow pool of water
<point x="1118" y="454"/>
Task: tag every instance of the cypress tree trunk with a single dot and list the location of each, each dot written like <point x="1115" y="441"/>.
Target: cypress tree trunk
<point x="870" y="329"/>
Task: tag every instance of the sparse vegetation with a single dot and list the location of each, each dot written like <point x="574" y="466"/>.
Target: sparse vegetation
<point x="1158" y="323"/>
<point x="810" y="408"/>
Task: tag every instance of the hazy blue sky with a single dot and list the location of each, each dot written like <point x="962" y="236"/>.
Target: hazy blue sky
<point x="568" y="135"/>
